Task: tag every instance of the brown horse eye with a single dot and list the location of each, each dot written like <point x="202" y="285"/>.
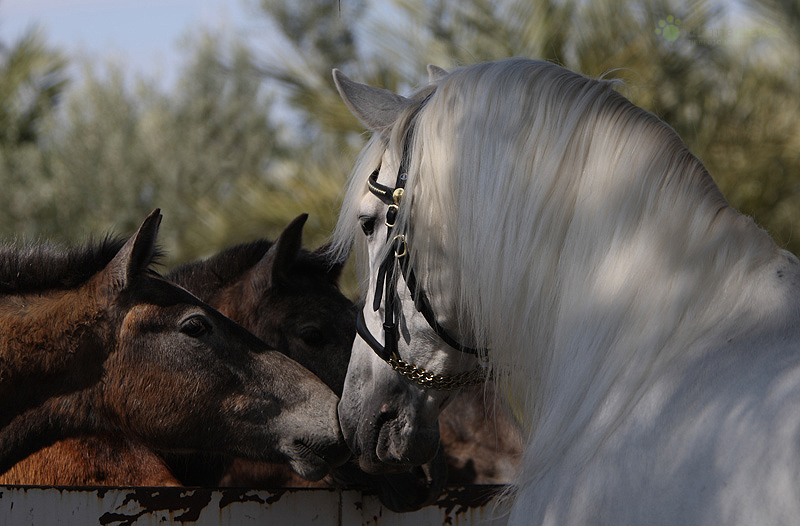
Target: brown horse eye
<point x="195" y="326"/>
<point x="312" y="336"/>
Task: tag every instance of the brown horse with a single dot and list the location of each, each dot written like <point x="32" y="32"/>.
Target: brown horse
<point x="289" y="297"/>
<point x="93" y="342"/>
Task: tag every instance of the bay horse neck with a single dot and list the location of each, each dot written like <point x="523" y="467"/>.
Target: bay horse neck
<point x="55" y="320"/>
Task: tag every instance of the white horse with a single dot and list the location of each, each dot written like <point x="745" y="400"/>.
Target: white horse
<point x="645" y="331"/>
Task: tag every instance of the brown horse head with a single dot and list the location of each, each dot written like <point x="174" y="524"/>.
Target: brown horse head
<point x="93" y="342"/>
<point x="290" y="298"/>
<point x="285" y="295"/>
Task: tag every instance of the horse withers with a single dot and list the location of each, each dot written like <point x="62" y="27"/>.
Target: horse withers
<point x="645" y="332"/>
<point x="95" y="343"/>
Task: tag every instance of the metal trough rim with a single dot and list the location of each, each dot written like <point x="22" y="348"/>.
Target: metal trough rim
<point x="142" y="506"/>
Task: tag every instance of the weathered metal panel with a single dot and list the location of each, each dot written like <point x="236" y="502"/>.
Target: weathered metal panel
<point x="47" y="506"/>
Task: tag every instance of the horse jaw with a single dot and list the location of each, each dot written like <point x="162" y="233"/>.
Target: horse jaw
<point x="390" y="423"/>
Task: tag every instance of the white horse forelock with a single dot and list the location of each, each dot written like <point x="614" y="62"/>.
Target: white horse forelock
<point x="577" y="234"/>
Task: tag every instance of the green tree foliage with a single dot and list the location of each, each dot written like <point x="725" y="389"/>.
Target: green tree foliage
<point x="254" y="133"/>
<point x="32" y="78"/>
<point x="32" y="81"/>
<point x="732" y="99"/>
<point x="113" y="153"/>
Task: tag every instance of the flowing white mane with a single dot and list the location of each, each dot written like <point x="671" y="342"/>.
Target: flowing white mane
<point x="552" y="190"/>
<point x="570" y="215"/>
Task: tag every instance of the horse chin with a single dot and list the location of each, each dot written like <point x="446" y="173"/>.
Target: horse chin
<point x="395" y="445"/>
<point x="399" y="492"/>
<point x="397" y="449"/>
<point x="370" y="463"/>
<point x="310" y="470"/>
<point x="311" y="464"/>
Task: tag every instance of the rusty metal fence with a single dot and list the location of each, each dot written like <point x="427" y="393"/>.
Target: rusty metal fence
<point x="50" y="506"/>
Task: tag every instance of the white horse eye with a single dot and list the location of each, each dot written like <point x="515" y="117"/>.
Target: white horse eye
<point x="367" y="225"/>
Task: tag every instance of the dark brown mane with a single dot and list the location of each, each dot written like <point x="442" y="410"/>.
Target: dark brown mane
<point x="37" y="267"/>
<point x="228" y="266"/>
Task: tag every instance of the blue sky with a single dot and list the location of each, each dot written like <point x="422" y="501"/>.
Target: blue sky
<point x="143" y="34"/>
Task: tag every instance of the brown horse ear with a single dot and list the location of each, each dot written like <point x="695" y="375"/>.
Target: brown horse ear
<point x="335" y="268"/>
<point x="136" y="254"/>
<point x="274" y="267"/>
<point x="377" y="108"/>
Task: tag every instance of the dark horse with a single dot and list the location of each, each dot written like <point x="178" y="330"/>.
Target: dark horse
<point x="94" y="343"/>
<point x="289" y="297"/>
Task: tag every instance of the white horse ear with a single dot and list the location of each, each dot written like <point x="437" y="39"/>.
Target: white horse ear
<point x="435" y="73"/>
<point x="377" y="108"/>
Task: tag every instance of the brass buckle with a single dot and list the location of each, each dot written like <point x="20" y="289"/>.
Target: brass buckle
<point x="391" y="212"/>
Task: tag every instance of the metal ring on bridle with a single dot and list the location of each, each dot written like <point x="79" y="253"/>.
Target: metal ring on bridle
<point x="404" y="251"/>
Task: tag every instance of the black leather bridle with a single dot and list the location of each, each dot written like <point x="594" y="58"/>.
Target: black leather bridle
<point x="386" y="290"/>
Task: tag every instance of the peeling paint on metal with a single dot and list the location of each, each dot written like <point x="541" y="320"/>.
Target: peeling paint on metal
<point x="147" y="500"/>
<point x="464" y="498"/>
<point x="461" y="506"/>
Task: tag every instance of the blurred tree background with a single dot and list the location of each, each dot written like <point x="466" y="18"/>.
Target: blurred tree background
<point x="253" y="134"/>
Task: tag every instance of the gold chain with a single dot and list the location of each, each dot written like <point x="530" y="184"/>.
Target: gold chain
<point x="440" y="382"/>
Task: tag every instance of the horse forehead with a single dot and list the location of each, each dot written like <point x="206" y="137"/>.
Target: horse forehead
<point x="387" y="176"/>
<point x="308" y="298"/>
<point x="388" y="170"/>
<point x="139" y="316"/>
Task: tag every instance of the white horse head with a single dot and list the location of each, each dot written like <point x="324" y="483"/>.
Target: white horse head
<point x="396" y="400"/>
<point x="573" y="235"/>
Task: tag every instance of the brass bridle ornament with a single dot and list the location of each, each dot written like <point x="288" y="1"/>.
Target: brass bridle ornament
<point x="386" y="290"/>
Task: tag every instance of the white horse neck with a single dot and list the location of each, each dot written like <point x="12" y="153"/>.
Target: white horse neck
<point x="667" y="288"/>
<point x="670" y="390"/>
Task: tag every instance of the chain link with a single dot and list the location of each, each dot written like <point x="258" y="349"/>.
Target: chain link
<point x="438" y="382"/>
